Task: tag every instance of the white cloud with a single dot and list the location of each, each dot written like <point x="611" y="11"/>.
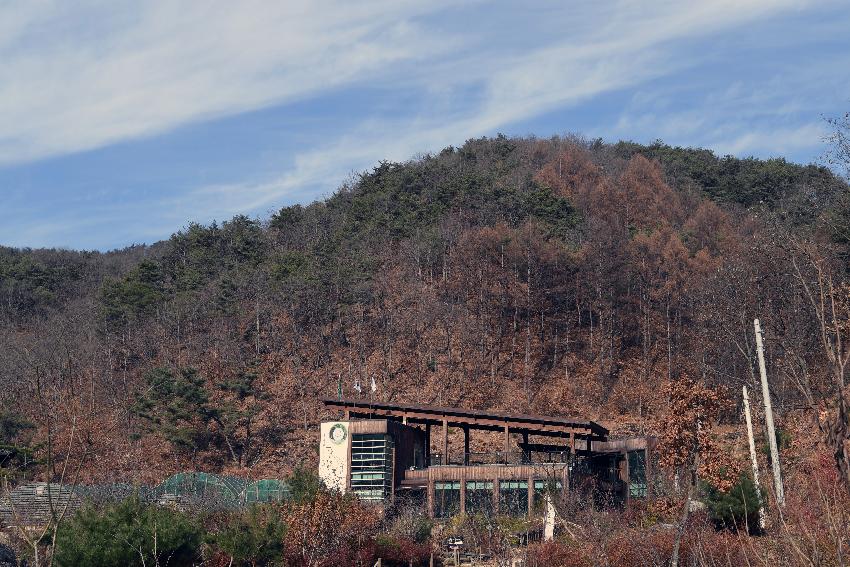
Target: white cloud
<point x="775" y="141"/>
<point x="623" y="52"/>
<point x="142" y="68"/>
<point x="78" y="77"/>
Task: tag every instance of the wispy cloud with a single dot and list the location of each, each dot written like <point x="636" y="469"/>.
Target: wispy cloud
<point x="151" y="66"/>
<point x="91" y="75"/>
<point x="625" y="51"/>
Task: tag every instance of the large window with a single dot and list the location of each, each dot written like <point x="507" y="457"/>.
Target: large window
<point x="513" y="497"/>
<point x="637" y="474"/>
<point x="371" y="466"/>
<point x="541" y="487"/>
<point x="479" y="497"/>
<point x="446" y="499"/>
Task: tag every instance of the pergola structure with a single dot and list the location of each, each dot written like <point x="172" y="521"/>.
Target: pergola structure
<point x="581" y="434"/>
<point x="378" y="449"/>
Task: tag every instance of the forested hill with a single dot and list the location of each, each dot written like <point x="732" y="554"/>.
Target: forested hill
<point x="549" y="276"/>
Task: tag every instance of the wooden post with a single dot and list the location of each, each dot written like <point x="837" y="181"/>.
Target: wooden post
<point x="427" y="445"/>
<point x="507" y="443"/>
<point x="627" y="475"/>
<point x="768" y="418"/>
<point x="445" y="442"/>
<point x="526" y="454"/>
<point x="495" y="495"/>
<point x="466" y="445"/>
<point x="647" y="455"/>
<point x="530" y="495"/>
<point x="430" y="496"/>
<point x="463" y="494"/>
<point x="753" y="458"/>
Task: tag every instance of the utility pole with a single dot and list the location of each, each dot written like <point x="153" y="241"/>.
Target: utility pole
<point x="768" y="418"/>
<point x="753" y="457"/>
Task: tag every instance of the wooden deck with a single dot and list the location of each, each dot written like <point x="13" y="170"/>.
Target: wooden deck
<point x="542" y="471"/>
<point x="427" y="479"/>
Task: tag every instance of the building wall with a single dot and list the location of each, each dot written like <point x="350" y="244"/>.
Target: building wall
<point x="334" y="451"/>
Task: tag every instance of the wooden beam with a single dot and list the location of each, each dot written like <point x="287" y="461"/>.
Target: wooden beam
<point x="487" y="424"/>
<point x="466" y="445"/>
<point x="456" y="415"/>
<point x="507" y="442"/>
<point x="445" y="442"/>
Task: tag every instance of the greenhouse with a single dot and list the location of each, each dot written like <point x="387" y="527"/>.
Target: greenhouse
<point x="219" y="490"/>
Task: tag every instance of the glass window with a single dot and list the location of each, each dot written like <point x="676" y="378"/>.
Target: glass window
<point x="513" y="497"/>
<point x="446" y="499"/>
<point x="541" y="487"/>
<point x="371" y="466"/>
<point x="637" y="474"/>
<point x="479" y="497"/>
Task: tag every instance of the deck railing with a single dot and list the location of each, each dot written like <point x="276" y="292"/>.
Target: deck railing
<point x="500" y="458"/>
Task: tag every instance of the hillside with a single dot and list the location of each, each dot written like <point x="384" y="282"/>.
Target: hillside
<point x="556" y="276"/>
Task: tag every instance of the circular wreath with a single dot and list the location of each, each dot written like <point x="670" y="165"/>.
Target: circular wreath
<point x="332" y="433"/>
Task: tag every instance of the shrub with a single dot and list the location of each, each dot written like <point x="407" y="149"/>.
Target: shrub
<point x="737" y="508"/>
<point x="304" y="485"/>
<point x="253" y="538"/>
<point x="401" y="551"/>
<point x="330" y="530"/>
<point x="558" y="554"/>
<point x="128" y="534"/>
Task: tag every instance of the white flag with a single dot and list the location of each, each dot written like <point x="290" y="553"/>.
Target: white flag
<point x="357" y="386"/>
<point x="374" y="386"/>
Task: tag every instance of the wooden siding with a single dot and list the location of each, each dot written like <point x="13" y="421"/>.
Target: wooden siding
<point x="483" y="472"/>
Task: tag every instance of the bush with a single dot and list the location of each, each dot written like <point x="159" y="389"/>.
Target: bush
<point x="128" y="534"/>
<point x="737" y="508"/>
<point x="401" y="551"/>
<point x="330" y="531"/>
<point x="253" y="538"/>
<point x="304" y="485"/>
<point x="558" y="554"/>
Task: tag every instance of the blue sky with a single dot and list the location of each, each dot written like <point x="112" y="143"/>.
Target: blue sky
<point x="120" y="122"/>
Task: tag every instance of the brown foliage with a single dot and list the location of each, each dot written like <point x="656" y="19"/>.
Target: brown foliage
<point x="686" y="430"/>
<point x="329" y="531"/>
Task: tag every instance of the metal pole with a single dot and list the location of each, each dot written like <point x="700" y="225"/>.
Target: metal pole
<point x="749" y="419"/>
<point x="768" y="418"/>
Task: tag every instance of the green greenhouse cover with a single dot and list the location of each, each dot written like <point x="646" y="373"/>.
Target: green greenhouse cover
<point x="222" y="488"/>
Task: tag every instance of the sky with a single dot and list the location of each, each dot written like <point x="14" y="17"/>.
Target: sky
<point x="121" y="122"/>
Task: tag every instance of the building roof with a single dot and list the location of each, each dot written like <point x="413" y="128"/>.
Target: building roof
<point x="474" y="419"/>
<point x="33" y="504"/>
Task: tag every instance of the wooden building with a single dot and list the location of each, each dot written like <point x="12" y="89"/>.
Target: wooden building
<point x="384" y="452"/>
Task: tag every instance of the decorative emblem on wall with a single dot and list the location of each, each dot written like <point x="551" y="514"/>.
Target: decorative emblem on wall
<point x="338" y="433"/>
